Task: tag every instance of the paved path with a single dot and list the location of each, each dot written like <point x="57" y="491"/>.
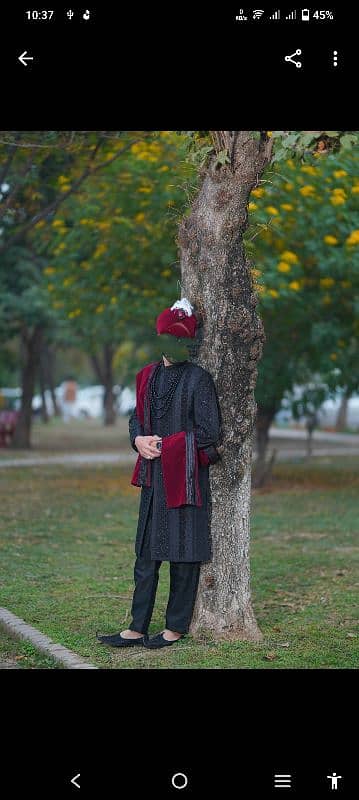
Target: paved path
<point x="289" y="443"/>
<point x="75" y="459"/>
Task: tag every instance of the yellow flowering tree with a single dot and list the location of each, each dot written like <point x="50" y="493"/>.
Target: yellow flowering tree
<point x="304" y="240"/>
<point x="112" y="256"/>
<point x="40" y="172"/>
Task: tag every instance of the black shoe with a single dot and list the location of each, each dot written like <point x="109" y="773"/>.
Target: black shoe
<point x="116" y="640"/>
<point x="159" y="641"/>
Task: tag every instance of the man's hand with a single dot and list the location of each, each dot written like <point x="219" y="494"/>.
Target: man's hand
<point x="146" y="446"/>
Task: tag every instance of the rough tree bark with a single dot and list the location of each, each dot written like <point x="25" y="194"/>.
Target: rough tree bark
<point x="104" y="372"/>
<point x="216" y="278"/>
<point x="31" y="344"/>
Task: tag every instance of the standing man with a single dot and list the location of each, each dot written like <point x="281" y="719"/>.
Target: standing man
<point x="174" y="429"/>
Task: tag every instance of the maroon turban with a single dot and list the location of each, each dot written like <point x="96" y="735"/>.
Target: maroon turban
<point x="178" y="320"/>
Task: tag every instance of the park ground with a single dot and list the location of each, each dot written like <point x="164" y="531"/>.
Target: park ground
<point x="66" y="561"/>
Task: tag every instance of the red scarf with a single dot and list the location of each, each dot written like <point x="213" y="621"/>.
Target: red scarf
<point x="180" y="455"/>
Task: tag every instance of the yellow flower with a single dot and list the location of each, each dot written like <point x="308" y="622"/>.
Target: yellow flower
<point x="289" y="256"/>
<point x="50" y="287"/>
<point x="104" y="226"/>
<point x="339" y="190"/>
<point x="330" y="239"/>
<point x="85" y="265"/>
<point x="166" y="273"/>
<point x="353" y="238"/>
<point x="145" y="189"/>
<point x="290" y="163"/>
<point x="41" y="222"/>
<point x="140" y="217"/>
<point x="326" y="282"/>
<point x="100" y="249"/>
<point x="113" y="300"/>
<point x="49" y="270"/>
<point x="62" y="179"/>
<point x="288" y="186"/>
<point x="57" y="223"/>
<point x="100" y="308"/>
<point x="337" y="200"/>
<point x="258" y="192"/>
<point x="273" y="292"/>
<point x="287" y="206"/>
<point x="295" y="285"/>
<point x="269" y="133"/>
<point x="355" y="190"/>
<point x="252" y="206"/>
<point x="326" y="299"/>
<point x="283" y="267"/>
<point x="309" y="170"/>
<point x="333" y="356"/>
<point x="339" y="173"/>
<point x="68" y="281"/>
<point x="272" y="210"/>
<point x="165" y="168"/>
<point x="75" y="313"/>
<point x="307" y="191"/>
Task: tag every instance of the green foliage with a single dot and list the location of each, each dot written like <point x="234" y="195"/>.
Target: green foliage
<point x="307" y="272"/>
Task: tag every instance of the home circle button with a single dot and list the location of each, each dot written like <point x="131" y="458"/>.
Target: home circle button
<point x="179" y="780"/>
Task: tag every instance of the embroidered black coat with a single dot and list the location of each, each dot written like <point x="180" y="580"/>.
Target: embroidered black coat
<point x="183" y="533"/>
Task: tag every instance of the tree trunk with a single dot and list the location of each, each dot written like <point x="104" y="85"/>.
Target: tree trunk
<point x="341" y="421"/>
<point x="104" y="372"/>
<point x="49" y="365"/>
<point x="30" y="353"/>
<point x="216" y="278"/>
<point x="262" y="470"/>
<point x="42" y="382"/>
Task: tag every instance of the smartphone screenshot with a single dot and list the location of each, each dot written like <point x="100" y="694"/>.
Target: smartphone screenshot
<point x="179" y="401"/>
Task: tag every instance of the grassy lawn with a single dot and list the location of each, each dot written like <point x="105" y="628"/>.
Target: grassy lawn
<point x="22" y="655"/>
<point x="77" y="435"/>
<point x="66" y="566"/>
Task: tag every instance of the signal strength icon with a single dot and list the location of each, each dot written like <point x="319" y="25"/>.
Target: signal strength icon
<point x="276" y="15"/>
<point x="292" y="15"/>
<point x="258" y="13"/>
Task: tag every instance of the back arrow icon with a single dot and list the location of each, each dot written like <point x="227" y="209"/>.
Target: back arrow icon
<point x="24" y="58"/>
<point x="73" y="780"/>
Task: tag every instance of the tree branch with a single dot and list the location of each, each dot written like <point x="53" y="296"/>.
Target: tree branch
<point x="90" y="170"/>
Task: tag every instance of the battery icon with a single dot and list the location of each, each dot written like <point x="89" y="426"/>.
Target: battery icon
<point x="305" y="14"/>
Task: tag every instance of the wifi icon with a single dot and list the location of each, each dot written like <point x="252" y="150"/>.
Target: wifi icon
<point x="258" y="13"/>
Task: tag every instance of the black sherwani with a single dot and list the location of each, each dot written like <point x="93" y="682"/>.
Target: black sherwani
<point x="183" y="533"/>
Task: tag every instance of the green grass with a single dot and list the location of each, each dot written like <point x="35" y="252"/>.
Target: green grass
<point x="66" y="566"/>
<point x="78" y="435"/>
<point x="22" y="655"/>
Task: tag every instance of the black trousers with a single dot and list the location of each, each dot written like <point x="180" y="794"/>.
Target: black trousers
<point x="184" y="578"/>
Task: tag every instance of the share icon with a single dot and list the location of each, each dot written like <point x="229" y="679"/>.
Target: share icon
<point x="291" y="58"/>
